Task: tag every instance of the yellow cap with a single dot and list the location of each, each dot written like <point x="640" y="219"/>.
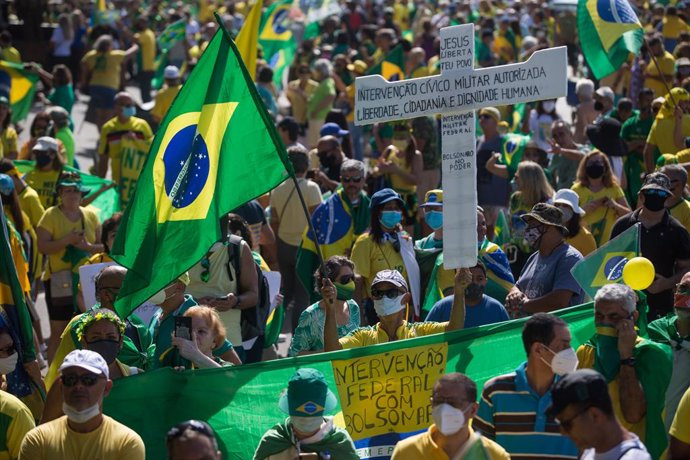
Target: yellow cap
<point x="433" y="198"/>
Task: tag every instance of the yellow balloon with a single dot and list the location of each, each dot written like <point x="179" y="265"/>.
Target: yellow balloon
<point x="638" y="273"/>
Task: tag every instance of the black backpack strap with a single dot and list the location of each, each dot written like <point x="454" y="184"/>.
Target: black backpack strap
<point x="234" y="245"/>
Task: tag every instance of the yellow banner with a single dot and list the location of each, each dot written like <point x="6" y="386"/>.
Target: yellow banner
<point x="389" y="393"/>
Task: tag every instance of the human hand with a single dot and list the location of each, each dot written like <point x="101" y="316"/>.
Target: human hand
<point x="626" y="338"/>
<point x="463" y="278"/>
<point x="74" y="238"/>
<point x="660" y="284"/>
<point x="515" y="299"/>
<point x="493" y="159"/>
<point x="555" y="148"/>
<point x="328" y="291"/>
<point x="188" y="348"/>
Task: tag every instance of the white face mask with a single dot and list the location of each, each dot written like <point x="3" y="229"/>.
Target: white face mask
<point x="563" y="362"/>
<point x="386" y="306"/>
<point x="159" y="297"/>
<point x="7" y="365"/>
<point x="448" y="419"/>
<point x="549" y="106"/>
<point x="80" y="416"/>
<point x="306" y="425"/>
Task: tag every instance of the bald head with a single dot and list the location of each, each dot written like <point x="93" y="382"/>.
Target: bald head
<point x="108" y="283"/>
<point x="327" y="143"/>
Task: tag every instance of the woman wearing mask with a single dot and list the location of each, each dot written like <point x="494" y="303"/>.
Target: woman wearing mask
<point x="385" y="246"/>
<point x="578" y="236"/>
<point x="101" y="331"/>
<point x="401" y="165"/>
<point x="48" y="167"/>
<point x="208" y="334"/>
<point x="66" y="234"/>
<point x="308" y="336"/>
<point x="600" y="195"/>
<point x="539" y="123"/>
<point x="532" y="188"/>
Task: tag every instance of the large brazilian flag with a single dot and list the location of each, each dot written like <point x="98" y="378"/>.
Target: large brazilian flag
<point x="19" y="86"/>
<point x="215" y="150"/>
<point x="609" y="32"/>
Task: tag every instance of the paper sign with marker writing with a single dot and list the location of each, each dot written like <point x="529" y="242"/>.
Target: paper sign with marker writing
<point x="389" y="393"/>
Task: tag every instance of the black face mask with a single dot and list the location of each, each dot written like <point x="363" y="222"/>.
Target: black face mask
<point x="327" y="161"/>
<point x="598" y="106"/>
<point x="654" y="202"/>
<point x="42" y="159"/>
<point x="594" y="170"/>
<point x="474" y="291"/>
<point x="108" y="349"/>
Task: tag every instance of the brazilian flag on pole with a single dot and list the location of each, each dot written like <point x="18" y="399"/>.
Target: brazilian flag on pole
<point x="392" y="66"/>
<point x="609" y="32"/>
<point x="512" y="150"/>
<point x="605" y="265"/>
<point x="216" y="149"/>
<point x="276" y="39"/>
<point x="18" y="86"/>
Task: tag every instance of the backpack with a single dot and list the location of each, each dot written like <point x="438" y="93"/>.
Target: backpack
<point x="253" y="322"/>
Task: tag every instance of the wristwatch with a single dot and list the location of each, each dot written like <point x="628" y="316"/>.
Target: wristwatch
<point x="628" y="362"/>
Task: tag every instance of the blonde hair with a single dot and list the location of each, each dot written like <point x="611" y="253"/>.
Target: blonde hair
<point x="534" y="187"/>
<point x="608" y="179"/>
<point x="212" y="320"/>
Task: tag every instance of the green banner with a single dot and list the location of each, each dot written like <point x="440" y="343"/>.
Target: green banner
<point x="241" y="403"/>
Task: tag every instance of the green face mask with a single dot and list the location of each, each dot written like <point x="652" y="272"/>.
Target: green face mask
<point x="345" y="291"/>
<point x="607" y="358"/>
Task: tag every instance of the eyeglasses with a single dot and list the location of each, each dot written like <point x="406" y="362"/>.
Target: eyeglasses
<point x="346" y="279"/>
<point x="206" y="265"/>
<point x="567" y="425"/>
<point x="390" y="293"/>
<point x="88" y="380"/>
<point x="194" y="425"/>
<point x="348" y="180"/>
<point x="653" y="191"/>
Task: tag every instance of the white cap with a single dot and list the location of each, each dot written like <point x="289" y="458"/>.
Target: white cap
<point x="86" y="359"/>
<point x="46" y="143"/>
<point x="570" y="198"/>
<point x="606" y="92"/>
<point x="171" y="71"/>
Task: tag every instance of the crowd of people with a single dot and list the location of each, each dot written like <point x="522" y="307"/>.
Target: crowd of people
<point x="614" y="155"/>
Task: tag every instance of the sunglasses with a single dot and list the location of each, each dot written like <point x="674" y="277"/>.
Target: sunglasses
<point x="88" y="380"/>
<point x="206" y="273"/>
<point x="194" y="425"/>
<point x="485" y="117"/>
<point x="390" y="293"/>
<point x="652" y="192"/>
<point x="568" y="424"/>
<point x="349" y="180"/>
<point x="346" y="279"/>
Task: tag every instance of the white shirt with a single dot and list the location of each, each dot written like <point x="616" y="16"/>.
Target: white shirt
<point x="631" y="449"/>
<point x="62" y="45"/>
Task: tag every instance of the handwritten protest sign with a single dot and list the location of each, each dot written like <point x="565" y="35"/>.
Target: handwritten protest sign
<point x="389" y="392"/>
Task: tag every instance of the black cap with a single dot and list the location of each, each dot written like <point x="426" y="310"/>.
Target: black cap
<point x="584" y="386"/>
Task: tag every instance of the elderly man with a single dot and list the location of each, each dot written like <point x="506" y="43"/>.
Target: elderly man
<point x="674" y="330"/>
<point x="512" y="409"/>
<point x="83" y="432"/>
<point x="637" y="370"/>
<point x="545" y="283"/>
<point x="192" y="440"/>
<point x="391" y="296"/>
<point x="454" y="405"/>
<point x="584" y="411"/>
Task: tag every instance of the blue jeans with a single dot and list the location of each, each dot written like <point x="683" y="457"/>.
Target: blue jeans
<point x="357" y="133"/>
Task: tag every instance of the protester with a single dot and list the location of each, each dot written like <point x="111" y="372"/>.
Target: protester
<point x="578" y="236"/>
<point x="454" y="406"/>
<point x="670" y="128"/>
<point x="193" y="439"/>
<point x="499" y="277"/>
<point x="309" y="333"/>
<point x="8" y="135"/>
<point x="567" y="155"/>
<point x="298" y="93"/>
<point x="679" y="437"/>
<point x="585" y="114"/>
<point x="207" y="335"/>
<point x="492" y="191"/>
<point x="634" y="132"/>
<point x="306" y="429"/>
<point x="663" y="240"/>
<point x="677" y="205"/>
<point x="637" y="370"/>
<point x="545" y="283"/>
<point x="320" y="100"/>
<point x="29" y="200"/>
<point x="583" y="409"/>
<point x="391" y="296"/>
<point x="85" y="432"/>
<point x="288" y="130"/>
<point x="164" y="98"/>
<point x="512" y="408"/>
<point x="19" y="421"/>
<point x="49" y="165"/>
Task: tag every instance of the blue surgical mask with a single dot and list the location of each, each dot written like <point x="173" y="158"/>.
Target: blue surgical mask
<point x="434" y="219"/>
<point x="390" y="219"/>
<point x="128" y="112"/>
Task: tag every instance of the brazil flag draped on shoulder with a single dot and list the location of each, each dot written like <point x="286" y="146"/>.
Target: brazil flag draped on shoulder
<point x="215" y="150"/>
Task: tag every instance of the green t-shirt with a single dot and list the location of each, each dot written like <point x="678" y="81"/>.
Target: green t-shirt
<point x="67" y="139"/>
<point x="636" y="128"/>
<point x="63" y="96"/>
<point x="326" y="88"/>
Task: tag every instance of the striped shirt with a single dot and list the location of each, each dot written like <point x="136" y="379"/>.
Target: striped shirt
<point x="514" y="415"/>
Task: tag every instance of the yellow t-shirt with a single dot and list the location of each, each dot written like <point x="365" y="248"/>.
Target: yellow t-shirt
<point x="586" y="356"/>
<point x="163" y="100"/>
<point x="56" y="440"/>
<point x="667" y="63"/>
<point x="286" y="206"/>
<point x="423" y="446"/>
<point x="110" y="144"/>
<point x="583" y="241"/>
<point x="365" y="336"/>
<point x="370" y="258"/>
<point x="673" y="26"/>
<point x="43" y="182"/>
<point x="681" y="212"/>
<point x="601" y="220"/>
<point x="147" y="48"/>
<point x="681" y="421"/>
<point x="661" y="134"/>
<point x="31" y="205"/>
<point x="17" y="422"/>
<point x="104" y="68"/>
<point x="298" y="100"/>
<point x="399" y="184"/>
<point x="401" y="16"/>
<point x="56" y="223"/>
<point x="9" y="139"/>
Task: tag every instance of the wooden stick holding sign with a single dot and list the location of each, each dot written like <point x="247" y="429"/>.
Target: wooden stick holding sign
<point x="455" y="94"/>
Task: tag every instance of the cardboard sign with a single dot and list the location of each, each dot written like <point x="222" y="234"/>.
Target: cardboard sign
<point x="87" y="280"/>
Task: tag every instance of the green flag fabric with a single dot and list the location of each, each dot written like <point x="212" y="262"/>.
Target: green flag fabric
<point x="18" y="85"/>
<point x="241" y="403"/>
<point x="276" y="39"/>
<point x="171" y="35"/>
<point x="605" y="265"/>
<point x="392" y="66"/>
<point x="609" y="33"/>
<point x="216" y="149"/>
<point x="501" y="229"/>
<point x="107" y="201"/>
<point x="512" y="150"/>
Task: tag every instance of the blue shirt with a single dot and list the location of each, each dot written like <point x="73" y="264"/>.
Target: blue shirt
<point x="488" y="311"/>
<point x="514" y="415"/>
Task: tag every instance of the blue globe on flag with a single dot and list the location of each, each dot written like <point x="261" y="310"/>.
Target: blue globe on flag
<point x="186" y="166"/>
<point x="614" y="268"/>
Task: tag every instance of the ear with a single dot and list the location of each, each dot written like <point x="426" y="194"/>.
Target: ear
<point x="635" y="315"/>
<point x="407" y="298"/>
<point x="473" y="411"/>
<point x="108" y="387"/>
